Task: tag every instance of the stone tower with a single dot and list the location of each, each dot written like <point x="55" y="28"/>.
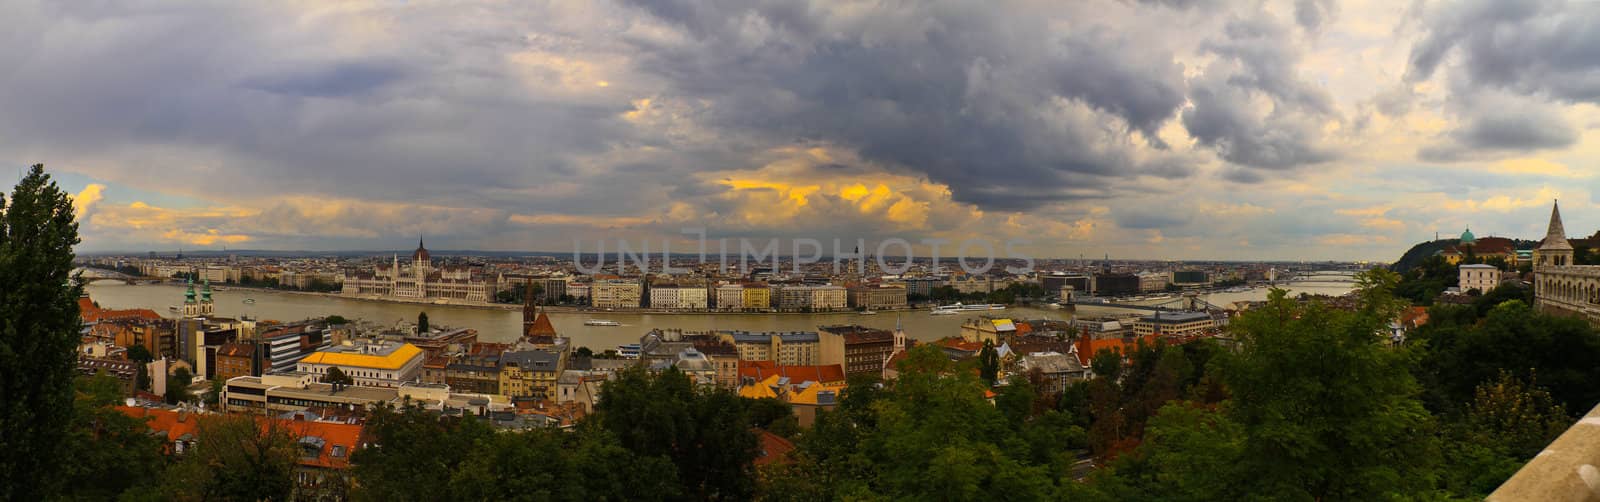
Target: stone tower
<point x="1554" y="250"/>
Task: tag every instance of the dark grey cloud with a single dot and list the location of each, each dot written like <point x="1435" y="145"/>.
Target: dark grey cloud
<point x="1258" y="58"/>
<point x="1151" y="217"/>
<point x="1503" y="131"/>
<point x="500" y="108"/>
<point x="1002" y="105"/>
<point x="1540" y="47"/>
<point x="1312" y="14"/>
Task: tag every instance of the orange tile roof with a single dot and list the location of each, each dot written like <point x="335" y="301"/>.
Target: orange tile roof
<point x="176" y="424"/>
<point x="1088" y="347"/>
<point x="541" y="326"/>
<point x="959" y="344"/>
<point x="774" y="448"/>
<point x="760" y="370"/>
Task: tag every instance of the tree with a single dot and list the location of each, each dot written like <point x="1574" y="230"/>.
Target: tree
<point x="38" y="334"/>
<point x="178" y="387"/>
<point x="235" y="457"/>
<point x="584" y="351"/>
<point x="335" y="320"/>
<point x="1329" y="411"/>
<point x="338" y="378"/>
<point x="412" y="454"/>
<point x="141" y="355"/>
<point x="111" y="451"/>
<point x="989" y="363"/>
<point x="422" y="323"/>
<point x="704" y="432"/>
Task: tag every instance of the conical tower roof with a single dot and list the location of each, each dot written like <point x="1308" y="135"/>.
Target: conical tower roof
<point x="1555" y="238"/>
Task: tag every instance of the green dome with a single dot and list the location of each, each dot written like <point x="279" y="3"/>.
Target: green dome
<point x="1467" y="237"/>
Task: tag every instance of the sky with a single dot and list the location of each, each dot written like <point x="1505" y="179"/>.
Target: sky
<point x="1154" y="129"/>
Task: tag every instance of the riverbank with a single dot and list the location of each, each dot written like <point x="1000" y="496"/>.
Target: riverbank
<point x="564" y="309"/>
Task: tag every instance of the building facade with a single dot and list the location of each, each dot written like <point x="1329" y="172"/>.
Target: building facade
<point x="1560" y="287"/>
<point x="877" y="297"/>
<point x="676" y="297"/>
<point x="420" y="279"/>
<point x="1482" y="278"/>
<point x="616" y="294"/>
<point x="375" y="365"/>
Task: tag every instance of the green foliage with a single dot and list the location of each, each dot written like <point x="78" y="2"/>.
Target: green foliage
<point x="335" y="319"/>
<point x="235" y="457"/>
<point x="338" y="378"/>
<point x="1504" y="293"/>
<point x="1328" y="410"/>
<point x="989" y="363"/>
<point x="178" y="386"/>
<point x="931" y="435"/>
<point x="38" y="334"/>
<point x="705" y="433"/>
<point x="413" y="454"/>
<point x="1426" y="281"/>
<point x="112" y="452"/>
<point x="773" y="415"/>
<point x="1464" y="352"/>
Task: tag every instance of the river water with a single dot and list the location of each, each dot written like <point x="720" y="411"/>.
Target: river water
<point x="505" y="325"/>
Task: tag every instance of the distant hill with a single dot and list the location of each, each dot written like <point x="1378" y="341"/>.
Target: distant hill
<point x="1419" y="252"/>
<point x="1423" y="250"/>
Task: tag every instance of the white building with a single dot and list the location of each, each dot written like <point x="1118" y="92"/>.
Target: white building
<point x="1480" y="277"/>
<point x="385" y="364"/>
<point x="673" y="297"/>
<point x="616" y="294"/>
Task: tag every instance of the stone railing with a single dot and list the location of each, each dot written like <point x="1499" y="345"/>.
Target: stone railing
<point x="1566" y="470"/>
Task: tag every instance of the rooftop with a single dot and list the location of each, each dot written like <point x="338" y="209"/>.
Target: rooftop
<point x="387" y="356"/>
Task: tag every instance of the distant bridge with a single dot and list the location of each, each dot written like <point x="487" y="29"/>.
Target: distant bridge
<point x="100" y="274"/>
<point x="1328" y="276"/>
<point x="1189" y="302"/>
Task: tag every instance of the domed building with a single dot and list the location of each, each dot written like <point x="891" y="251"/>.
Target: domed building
<point x="1483" y="249"/>
<point x="420" y="279"/>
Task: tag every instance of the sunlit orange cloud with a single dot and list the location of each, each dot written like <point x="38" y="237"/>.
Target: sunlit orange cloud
<point x="207" y="238"/>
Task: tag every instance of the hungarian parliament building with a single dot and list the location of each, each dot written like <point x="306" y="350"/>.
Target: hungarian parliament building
<point x="420" y="280"/>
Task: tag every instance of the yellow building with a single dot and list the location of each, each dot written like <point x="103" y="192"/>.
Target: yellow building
<point x="384" y="364"/>
<point x="530" y="374"/>
<point x="756" y="298"/>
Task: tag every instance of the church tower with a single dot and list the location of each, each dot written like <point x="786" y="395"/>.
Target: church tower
<point x="899" y="337"/>
<point x="207" y="307"/>
<point x="1554" y="250"/>
<point x="191" y="308"/>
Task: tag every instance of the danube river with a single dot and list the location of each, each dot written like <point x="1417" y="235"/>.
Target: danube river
<point x="496" y="325"/>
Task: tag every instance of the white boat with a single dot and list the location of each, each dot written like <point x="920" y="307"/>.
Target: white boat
<point x="628" y="351"/>
<point x="250" y="301"/>
<point x="996" y="306"/>
<point x="869" y="312"/>
<point x="601" y="322"/>
<point x="944" y="311"/>
<point x="173" y="308"/>
<point x="441" y="301"/>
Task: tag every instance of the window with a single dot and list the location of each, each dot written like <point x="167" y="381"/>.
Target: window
<point x="338" y="450"/>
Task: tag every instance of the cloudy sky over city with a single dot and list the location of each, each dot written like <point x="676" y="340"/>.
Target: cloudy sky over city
<point x="1167" y="129"/>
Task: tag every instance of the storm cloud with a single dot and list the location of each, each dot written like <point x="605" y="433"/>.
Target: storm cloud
<point x="1096" y="123"/>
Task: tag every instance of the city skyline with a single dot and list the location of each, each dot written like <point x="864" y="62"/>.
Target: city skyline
<point x="1261" y="131"/>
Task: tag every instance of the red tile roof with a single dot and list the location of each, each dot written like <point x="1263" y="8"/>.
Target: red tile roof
<point x="1088" y="346"/>
<point x="760" y="370"/>
<point x="93" y="314"/>
<point x="541" y="326"/>
<point x="774" y="448"/>
<point x="345" y="436"/>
